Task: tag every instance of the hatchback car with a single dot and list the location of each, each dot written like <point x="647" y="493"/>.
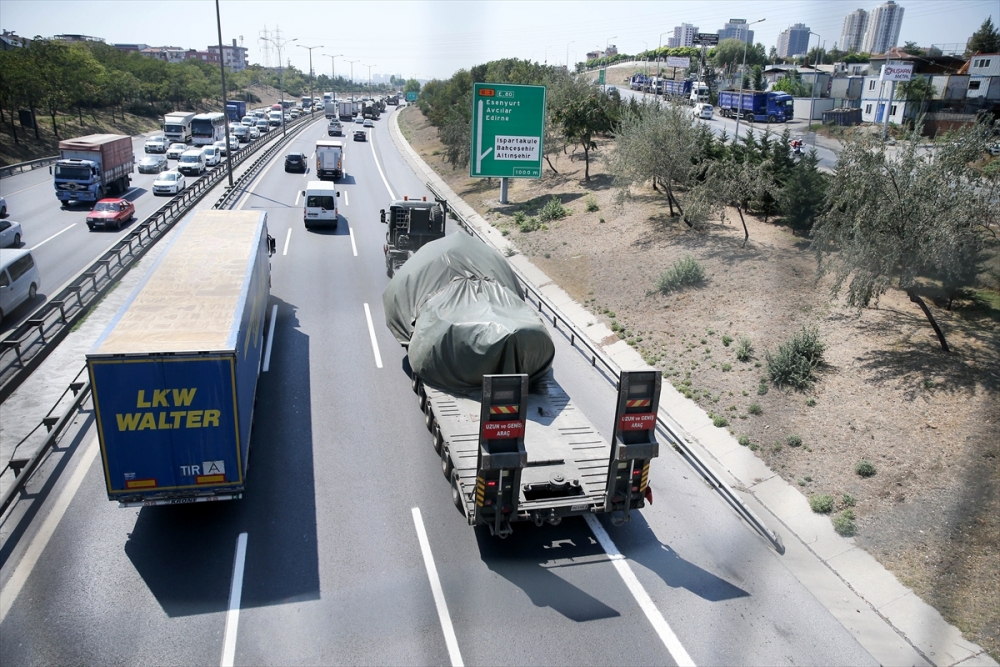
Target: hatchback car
<point x="175" y="150"/>
<point x="152" y="164"/>
<point x="156" y="145"/>
<point x="10" y="234"/>
<point x="169" y="183"/>
<point x="222" y="146"/>
<point x="212" y="156"/>
<point x="368" y="123"/>
<point x="111" y="213"/>
<point x="248" y="120"/>
<point x="253" y="132"/>
<point x="359" y="119"/>
<point x="360" y="135"/>
<point x="293" y="114"/>
<point x="295" y="162"/>
<point x="262" y="126"/>
<point x="335" y="129"/>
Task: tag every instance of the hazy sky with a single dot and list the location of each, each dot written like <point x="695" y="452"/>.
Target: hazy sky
<point x="433" y="39"/>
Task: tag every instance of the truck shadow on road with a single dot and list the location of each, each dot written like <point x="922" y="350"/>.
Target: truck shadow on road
<point x="185" y="554"/>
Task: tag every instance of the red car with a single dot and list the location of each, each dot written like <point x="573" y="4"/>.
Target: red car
<point x="111" y="213"/>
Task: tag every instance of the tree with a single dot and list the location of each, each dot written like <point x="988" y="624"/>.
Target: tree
<point x="728" y="55"/>
<point x="891" y="219"/>
<point x="912" y="49"/>
<point x="412" y="86"/>
<point x="728" y="183"/>
<point x="585" y="114"/>
<point x="802" y="196"/>
<point x="918" y="89"/>
<point x="757" y="77"/>
<point x="984" y="40"/>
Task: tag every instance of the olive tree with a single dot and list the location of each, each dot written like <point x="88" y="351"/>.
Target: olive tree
<point x="893" y="218"/>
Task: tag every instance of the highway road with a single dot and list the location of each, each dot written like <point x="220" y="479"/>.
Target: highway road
<point x="347" y="549"/>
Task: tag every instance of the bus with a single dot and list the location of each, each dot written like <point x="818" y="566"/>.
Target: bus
<point x="207" y="128"/>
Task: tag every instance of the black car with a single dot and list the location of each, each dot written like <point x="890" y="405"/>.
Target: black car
<point x="360" y="135"/>
<point x="295" y="162"/>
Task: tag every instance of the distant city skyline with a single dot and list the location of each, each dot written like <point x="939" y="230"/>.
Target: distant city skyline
<point x="442" y="37"/>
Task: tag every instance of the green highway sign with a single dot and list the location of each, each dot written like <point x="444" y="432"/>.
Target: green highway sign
<point x="411" y="96"/>
<point x="600" y="77"/>
<point x="508" y="126"/>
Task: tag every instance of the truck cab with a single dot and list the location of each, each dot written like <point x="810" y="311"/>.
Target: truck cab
<point x="412" y="224"/>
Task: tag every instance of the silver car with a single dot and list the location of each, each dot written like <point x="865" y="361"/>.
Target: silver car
<point x="169" y="183"/>
<point x="156" y="145"/>
<point x="153" y="164"/>
<point x="3" y="207"/>
<point x="10" y="234"/>
<point x="175" y="150"/>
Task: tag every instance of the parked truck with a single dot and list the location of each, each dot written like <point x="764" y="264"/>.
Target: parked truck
<point x="329" y="159"/>
<point x="412" y="223"/>
<point x="174" y="376"/>
<point x="676" y="89"/>
<point x="91" y="167"/>
<point x="512" y="444"/>
<point x="773" y="107"/>
<point x="236" y="109"/>
<point x="345" y="110"/>
<point x="177" y="127"/>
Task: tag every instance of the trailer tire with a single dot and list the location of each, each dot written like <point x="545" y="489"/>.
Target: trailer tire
<point x="429" y="421"/>
<point x="438" y="439"/>
<point x="456" y="493"/>
<point x="414" y="382"/>
<point x="423" y="401"/>
<point x="446" y="466"/>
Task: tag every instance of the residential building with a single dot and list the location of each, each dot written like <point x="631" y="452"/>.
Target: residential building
<point x="793" y="41"/>
<point x="9" y="40"/>
<point x="883" y="28"/>
<point x="128" y="48"/>
<point x="77" y="38"/>
<point x="234" y="57"/>
<point x="949" y="93"/>
<point x="170" y="54"/>
<point x="204" y="56"/>
<point x="594" y="55"/>
<point x="736" y="29"/>
<point x="683" y="36"/>
<point x="853" y="33"/>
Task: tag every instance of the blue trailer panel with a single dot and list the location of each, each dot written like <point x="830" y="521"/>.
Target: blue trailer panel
<point x="174" y="376"/>
<point x="773" y="107"/>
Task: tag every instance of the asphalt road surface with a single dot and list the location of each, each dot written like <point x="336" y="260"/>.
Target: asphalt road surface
<point x="347" y="549"/>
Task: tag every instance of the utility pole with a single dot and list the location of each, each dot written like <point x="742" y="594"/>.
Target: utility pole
<point x="567" y="56"/>
<point x="225" y="109"/>
<point x="608" y="41"/>
<point x="278" y="43"/>
<point x="369" y="76"/>
<point x="812" y="96"/>
<point x="333" y="72"/>
<point x="659" y="45"/>
<point x="312" y="97"/>
<point x="739" y="105"/>
<point x="352" y="74"/>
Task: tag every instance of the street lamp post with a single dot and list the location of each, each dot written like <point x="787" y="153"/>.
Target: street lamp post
<point x="312" y="99"/>
<point x="352" y="73"/>
<point x="645" y="53"/>
<point x="225" y="108"/>
<point x="606" y="42"/>
<point x="659" y="45"/>
<point x="278" y="43"/>
<point x="739" y="104"/>
<point x="369" y="76"/>
<point x="567" y="55"/>
<point x="812" y="96"/>
<point x="333" y="72"/>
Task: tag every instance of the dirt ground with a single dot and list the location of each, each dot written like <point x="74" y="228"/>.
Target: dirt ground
<point x="928" y="421"/>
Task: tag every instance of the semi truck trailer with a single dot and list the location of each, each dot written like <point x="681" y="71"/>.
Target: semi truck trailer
<point x="174" y="376"/>
<point x="773" y="107"/>
<point x="91" y="167"/>
<point x="512" y="444"/>
<point x="329" y="159"/>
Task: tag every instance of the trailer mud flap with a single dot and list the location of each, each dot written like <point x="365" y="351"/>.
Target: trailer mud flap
<point x="634" y="443"/>
<point x="501" y="451"/>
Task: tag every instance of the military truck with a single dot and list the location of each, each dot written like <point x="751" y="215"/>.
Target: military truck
<point x="412" y="224"/>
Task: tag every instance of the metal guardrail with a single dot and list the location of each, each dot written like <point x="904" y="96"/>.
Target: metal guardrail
<point x="30" y="165"/>
<point x="575" y="336"/>
<point x="24" y="348"/>
<point x="97" y="284"/>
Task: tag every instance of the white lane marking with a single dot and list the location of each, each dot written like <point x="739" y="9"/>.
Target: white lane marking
<point x="8" y="194"/>
<point x="442" y="606"/>
<point x="235" y="597"/>
<point x="270" y="338"/>
<point x="41" y="540"/>
<point x="346" y="203"/>
<point x="380" y="172"/>
<point x="354" y="247"/>
<point x="52" y="237"/>
<point x="667" y="636"/>
<point x="288" y="237"/>
<point x="297" y="195"/>
<point x="371" y="332"/>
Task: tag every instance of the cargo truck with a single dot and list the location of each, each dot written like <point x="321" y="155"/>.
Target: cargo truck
<point x="177" y="127"/>
<point x="235" y="110"/>
<point x="345" y="110"/>
<point x="330" y="109"/>
<point x="676" y="89"/>
<point x="329" y="159"/>
<point x="412" y="223"/>
<point x="174" y="376"/>
<point x="512" y="444"/>
<point x="91" y="167"/>
<point x="773" y="107"/>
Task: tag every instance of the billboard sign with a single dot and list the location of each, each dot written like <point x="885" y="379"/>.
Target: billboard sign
<point x="896" y="72"/>
<point x="508" y="126"/>
<point x="674" y="61"/>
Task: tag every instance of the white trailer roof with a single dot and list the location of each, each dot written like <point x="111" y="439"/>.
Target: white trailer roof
<point x="193" y="297"/>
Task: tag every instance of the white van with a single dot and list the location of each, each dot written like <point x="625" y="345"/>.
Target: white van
<point x="19" y="279"/>
<point x="212" y="155"/>
<point x="275" y="118"/>
<point x="319" y="201"/>
<point x="192" y="162"/>
<point x="704" y="110"/>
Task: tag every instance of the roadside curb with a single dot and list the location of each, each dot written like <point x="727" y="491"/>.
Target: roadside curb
<point x="885" y="617"/>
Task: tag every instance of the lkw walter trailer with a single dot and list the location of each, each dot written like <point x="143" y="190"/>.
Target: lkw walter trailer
<point x="174" y="375"/>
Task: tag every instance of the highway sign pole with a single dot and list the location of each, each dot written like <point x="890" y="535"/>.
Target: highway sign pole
<point x="508" y="128"/>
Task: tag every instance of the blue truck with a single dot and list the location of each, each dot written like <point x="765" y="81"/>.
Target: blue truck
<point x="92" y="167"/>
<point x="771" y="107"/>
<point x="236" y="110"/>
<point x="174" y="376"/>
<point x="676" y="89"/>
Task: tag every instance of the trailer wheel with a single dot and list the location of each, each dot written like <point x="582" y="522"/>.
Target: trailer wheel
<point x="438" y="439"/>
<point x="423" y="401"/>
<point x="456" y="493"/>
<point x="446" y="467"/>
<point x="429" y="421"/>
<point x="414" y="382"/>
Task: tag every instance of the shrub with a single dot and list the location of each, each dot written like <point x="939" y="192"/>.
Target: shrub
<point x="793" y="441"/>
<point x="755" y="409"/>
<point x="762" y="388"/>
<point x="864" y="468"/>
<point x="519" y="218"/>
<point x="531" y="224"/>
<point x="811" y="402"/>
<point x="719" y="421"/>
<point x="591" y="203"/>
<point x="726" y="340"/>
<point x="727" y="367"/>
<point x="553" y="210"/>
<point x="796" y="360"/>
<point x="684" y="272"/>
<point x="847" y="500"/>
<point x="743" y="440"/>
<point x="844" y="524"/>
<point x="744" y="349"/>
<point x="821" y="504"/>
